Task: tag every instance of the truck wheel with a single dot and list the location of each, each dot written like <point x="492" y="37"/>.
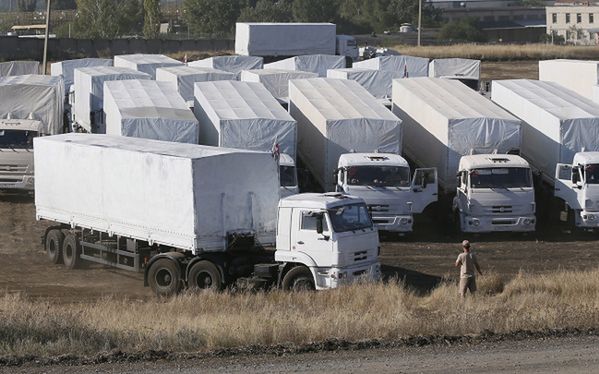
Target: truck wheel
<point x="164" y="277"/>
<point x="204" y="275"/>
<point x="71" y="251"/>
<point x="54" y="239"/>
<point x="298" y="279"/>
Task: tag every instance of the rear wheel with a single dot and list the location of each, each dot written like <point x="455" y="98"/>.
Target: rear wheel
<point x="164" y="277"/>
<point x="298" y="279"/>
<point x="71" y="250"/>
<point x="204" y="275"/>
<point x="54" y="240"/>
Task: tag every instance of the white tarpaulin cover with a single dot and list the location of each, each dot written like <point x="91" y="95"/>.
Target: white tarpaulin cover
<point x="180" y="195"/>
<point x="577" y="75"/>
<point x="232" y="64"/>
<point x="318" y="64"/>
<point x="378" y="82"/>
<point x="285" y="39"/>
<point x="89" y="92"/>
<point x="276" y="81"/>
<point x="145" y="63"/>
<point x="67" y="68"/>
<point x="243" y="115"/>
<point x="445" y="120"/>
<point x="12" y="68"/>
<point x="148" y="109"/>
<point x="414" y="66"/>
<point x="337" y="116"/>
<point x="454" y="67"/>
<point x="39" y="97"/>
<point x="186" y="76"/>
<point x="557" y="122"/>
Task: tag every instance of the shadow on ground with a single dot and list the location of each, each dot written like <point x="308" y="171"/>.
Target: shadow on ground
<point x="420" y="282"/>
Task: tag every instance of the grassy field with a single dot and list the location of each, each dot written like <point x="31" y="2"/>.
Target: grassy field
<point x="209" y="321"/>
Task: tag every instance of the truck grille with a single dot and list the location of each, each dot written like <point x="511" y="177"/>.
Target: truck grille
<point x="13" y="169"/>
<point x="378" y="208"/>
<point x="502" y="209"/>
<point x="360" y="256"/>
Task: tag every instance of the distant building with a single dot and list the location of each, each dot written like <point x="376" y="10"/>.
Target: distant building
<point x="575" y="21"/>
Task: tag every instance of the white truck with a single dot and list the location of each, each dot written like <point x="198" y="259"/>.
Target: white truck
<point x="561" y="143"/>
<point x="383" y="181"/>
<point x="195" y="216"/>
<point x="273" y="40"/>
<point x="460" y="132"/>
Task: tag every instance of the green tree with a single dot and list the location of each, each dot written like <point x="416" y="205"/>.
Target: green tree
<point x="151" y="19"/>
<point x="215" y="17"/>
<point x="267" y="11"/>
<point x="466" y="29"/>
<point x="108" y="19"/>
<point x="315" y="10"/>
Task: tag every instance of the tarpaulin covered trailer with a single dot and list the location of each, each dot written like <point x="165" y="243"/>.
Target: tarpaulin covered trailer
<point x="378" y="82"/>
<point x="243" y="115"/>
<point x="36" y="97"/>
<point x="67" y="69"/>
<point x="445" y="120"/>
<point x="285" y="39"/>
<point x="232" y="64"/>
<point x="186" y="76"/>
<point x="318" y="64"/>
<point x="577" y="75"/>
<point x="454" y="68"/>
<point x="89" y="93"/>
<point x="557" y="122"/>
<point x="337" y="116"/>
<point x="276" y="81"/>
<point x="148" y="109"/>
<point x="406" y="66"/>
<point x="12" y="68"/>
<point x="145" y="63"/>
<point x="164" y="193"/>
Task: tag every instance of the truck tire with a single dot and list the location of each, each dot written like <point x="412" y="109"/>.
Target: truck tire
<point x="204" y="275"/>
<point x="298" y="279"/>
<point x="71" y="250"/>
<point x="54" y="240"/>
<point x="164" y="277"/>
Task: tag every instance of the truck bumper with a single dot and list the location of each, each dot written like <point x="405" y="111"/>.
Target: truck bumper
<point x="327" y="278"/>
<point x="479" y="224"/>
<point x="25" y="183"/>
<point x="587" y="220"/>
<point x="400" y="223"/>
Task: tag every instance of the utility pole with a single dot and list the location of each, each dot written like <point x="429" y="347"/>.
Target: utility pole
<point x="419" y="20"/>
<point x="46" y="38"/>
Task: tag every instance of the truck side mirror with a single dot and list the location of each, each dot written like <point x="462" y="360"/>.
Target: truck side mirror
<point x="319" y="225"/>
<point x="575" y="176"/>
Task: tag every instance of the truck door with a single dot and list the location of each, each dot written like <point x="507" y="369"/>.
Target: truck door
<point x="425" y="189"/>
<point x="568" y="185"/>
<point x="306" y="239"/>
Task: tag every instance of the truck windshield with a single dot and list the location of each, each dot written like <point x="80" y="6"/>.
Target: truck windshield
<point x="287" y="175"/>
<point x="16" y="138"/>
<point x="350" y="217"/>
<point x="500" y="178"/>
<point x="380" y="176"/>
<point x="591" y="173"/>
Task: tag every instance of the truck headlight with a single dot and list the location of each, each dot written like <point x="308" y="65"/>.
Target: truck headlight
<point x="591" y="217"/>
<point x="404" y="221"/>
<point x="526" y="221"/>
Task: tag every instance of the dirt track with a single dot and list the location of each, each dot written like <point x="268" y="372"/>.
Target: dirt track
<point x="422" y="259"/>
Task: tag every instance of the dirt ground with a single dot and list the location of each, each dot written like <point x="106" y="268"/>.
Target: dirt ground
<point x="422" y="259"/>
<point x="510" y="70"/>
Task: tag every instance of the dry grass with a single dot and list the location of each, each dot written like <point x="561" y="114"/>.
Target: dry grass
<point x="502" y="52"/>
<point x="390" y="311"/>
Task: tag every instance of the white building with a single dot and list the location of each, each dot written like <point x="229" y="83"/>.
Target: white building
<point x="577" y="24"/>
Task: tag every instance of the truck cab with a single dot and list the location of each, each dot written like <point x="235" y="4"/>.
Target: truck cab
<point x="347" y="46"/>
<point x="16" y="153"/>
<point x="288" y="176"/>
<point x="578" y="185"/>
<point x="495" y="193"/>
<point x="331" y="234"/>
<point x="384" y="181"/>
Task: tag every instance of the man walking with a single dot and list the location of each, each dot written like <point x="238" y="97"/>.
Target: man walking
<point x="468" y="264"/>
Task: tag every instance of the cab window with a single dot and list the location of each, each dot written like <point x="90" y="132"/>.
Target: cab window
<point x="309" y="221"/>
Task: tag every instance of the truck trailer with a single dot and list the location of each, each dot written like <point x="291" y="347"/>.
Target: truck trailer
<point x="194" y="216"/>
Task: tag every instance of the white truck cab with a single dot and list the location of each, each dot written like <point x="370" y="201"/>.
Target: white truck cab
<point x="578" y="186"/>
<point x="347" y="46"/>
<point x="495" y="193"/>
<point x="288" y="176"/>
<point x="384" y="181"/>
<point x="331" y="234"/>
<point x="16" y="153"/>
